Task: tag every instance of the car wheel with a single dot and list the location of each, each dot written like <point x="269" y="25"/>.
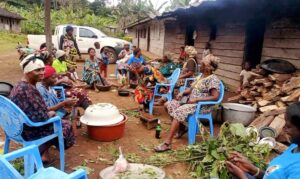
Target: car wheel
<point x="112" y="55"/>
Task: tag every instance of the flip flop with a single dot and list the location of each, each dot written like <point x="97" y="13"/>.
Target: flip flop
<point x="162" y="147"/>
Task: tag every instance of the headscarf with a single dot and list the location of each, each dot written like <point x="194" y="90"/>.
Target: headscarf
<point x="31" y="63"/>
<point x="211" y="61"/>
<point x="190" y="51"/>
<point x="60" y="53"/>
<point x="49" y="71"/>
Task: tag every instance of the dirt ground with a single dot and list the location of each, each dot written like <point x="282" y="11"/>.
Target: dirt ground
<point x="137" y="139"/>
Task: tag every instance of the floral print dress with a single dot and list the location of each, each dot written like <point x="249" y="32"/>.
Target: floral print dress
<point x="29" y="100"/>
<point x="200" y="88"/>
<point x="91" y="71"/>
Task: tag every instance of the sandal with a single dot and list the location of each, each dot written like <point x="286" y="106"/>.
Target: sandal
<point x="162" y="147"/>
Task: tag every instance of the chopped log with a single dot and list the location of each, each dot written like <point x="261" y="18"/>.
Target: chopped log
<point x="256" y="75"/>
<point x="277" y="86"/>
<point x="293" y="97"/>
<point x="254" y="93"/>
<point x="274" y="112"/>
<point x="268" y="84"/>
<point x="278" y="123"/>
<point x="260" y="81"/>
<point x="245" y="93"/>
<point x="291" y="84"/>
<point x="245" y="102"/>
<point x="279" y="77"/>
<point x="280" y="147"/>
<point x="270" y="95"/>
<point x="263" y="102"/>
<point x="254" y="88"/>
<point x="268" y="108"/>
<point x="262" y="121"/>
<point x="280" y="104"/>
<point x="234" y="98"/>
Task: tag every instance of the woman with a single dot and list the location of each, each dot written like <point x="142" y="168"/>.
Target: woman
<point x="124" y="56"/>
<point x="91" y="71"/>
<point x="189" y="68"/>
<point x="148" y="76"/>
<point x="286" y="165"/>
<point x="133" y="62"/>
<point x="69" y="44"/>
<point x="50" y="96"/>
<point x="27" y="97"/>
<point x="205" y="88"/>
<point x="63" y="67"/>
<point x="167" y="66"/>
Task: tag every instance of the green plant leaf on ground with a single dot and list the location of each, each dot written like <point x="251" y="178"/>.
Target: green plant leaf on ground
<point x="86" y="168"/>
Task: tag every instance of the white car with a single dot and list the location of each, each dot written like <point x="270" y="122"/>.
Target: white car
<point x="85" y="37"/>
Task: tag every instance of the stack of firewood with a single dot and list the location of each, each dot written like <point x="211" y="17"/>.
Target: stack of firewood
<point x="270" y="93"/>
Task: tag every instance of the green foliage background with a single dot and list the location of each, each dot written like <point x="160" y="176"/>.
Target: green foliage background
<point x="34" y="23"/>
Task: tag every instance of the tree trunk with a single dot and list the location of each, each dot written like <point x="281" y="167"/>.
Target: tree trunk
<point x="48" y="32"/>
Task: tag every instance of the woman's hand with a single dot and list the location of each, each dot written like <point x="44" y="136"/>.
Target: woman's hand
<point x="70" y="101"/>
<point x="235" y="170"/>
<point x="51" y="113"/>
<point x="242" y="162"/>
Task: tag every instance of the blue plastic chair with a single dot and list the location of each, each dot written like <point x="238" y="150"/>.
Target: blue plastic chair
<point x="187" y="81"/>
<point x="193" y="119"/>
<point x="61" y="90"/>
<point x="172" y="82"/>
<point x="7" y="170"/>
<point x="12" y="119"/>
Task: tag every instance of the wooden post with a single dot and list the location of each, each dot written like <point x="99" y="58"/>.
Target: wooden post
<point x="48" y="32"/>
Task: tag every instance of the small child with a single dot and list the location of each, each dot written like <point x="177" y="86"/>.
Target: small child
<point x="104" y="62"/>
<point x="245" y="76"/>
<point x="97" y="50"/>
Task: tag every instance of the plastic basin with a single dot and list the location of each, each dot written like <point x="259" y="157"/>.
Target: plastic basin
<point x="107" y="133"/>
<point x="238" y="113"/>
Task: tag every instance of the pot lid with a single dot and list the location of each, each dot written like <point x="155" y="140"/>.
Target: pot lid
<point x="278" y="66"/>
<point x="101" y="114"/>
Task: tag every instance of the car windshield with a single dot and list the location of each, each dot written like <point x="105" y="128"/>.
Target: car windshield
<point x="100" y="33"/>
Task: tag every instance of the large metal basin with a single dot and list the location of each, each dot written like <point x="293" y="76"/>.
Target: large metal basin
<point x="238" y="113"/>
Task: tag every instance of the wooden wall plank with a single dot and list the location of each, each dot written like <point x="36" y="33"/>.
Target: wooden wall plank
<point x="284" y="33"/>
<point x="282" y="53"/>
<point x="231" y="60"/>
<point x="227" y="46"/>
<point x="230" y="39"/>
<point x="228" y="53"/>
<point x="228" y="74"/>
<point x="232" y="84"/>
<point x="231" y="68"/>
<point x="282" y="43"/>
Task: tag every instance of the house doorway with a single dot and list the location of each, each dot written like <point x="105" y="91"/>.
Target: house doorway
<point x="189" y="36"/>
<point x="255" y="30"/>
<point x="148" y="39"/>
<point x="138" y="35"/>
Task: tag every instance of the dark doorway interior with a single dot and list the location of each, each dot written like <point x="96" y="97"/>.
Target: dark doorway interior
<point x="148" y="39"/>
<point x="189" y="39"/>
<point x="255" y="30"/>
<point x="139" y="36"/>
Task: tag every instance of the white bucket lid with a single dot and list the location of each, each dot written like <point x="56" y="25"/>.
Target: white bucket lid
<point x="101" y="114"/>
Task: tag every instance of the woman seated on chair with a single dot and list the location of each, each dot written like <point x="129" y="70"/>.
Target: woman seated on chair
<point x="50" y="97"/>
<point x="147" y="78"/>
<point x="167" y="66"/>
<point x="190" y="66"/>
<point x="91" y="72"/>
<point x="204" y="88"/>
<point x="133" y="62"/>
<point x="27" y="97"/>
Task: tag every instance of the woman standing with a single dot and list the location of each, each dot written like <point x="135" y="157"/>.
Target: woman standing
<point x="69" y="44"/>
<point x="28" y="99"/>
<point x="205" y="88"/>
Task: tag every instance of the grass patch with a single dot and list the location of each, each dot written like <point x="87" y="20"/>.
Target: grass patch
<point x="9" y="41"/>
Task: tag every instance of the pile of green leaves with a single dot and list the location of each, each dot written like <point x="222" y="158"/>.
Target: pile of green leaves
<point x="208" y="158"/>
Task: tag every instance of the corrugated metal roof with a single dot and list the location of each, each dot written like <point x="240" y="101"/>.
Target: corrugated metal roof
<point x="6" y="13"/>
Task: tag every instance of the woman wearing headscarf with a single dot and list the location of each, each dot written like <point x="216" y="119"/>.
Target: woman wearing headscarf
<point x="190" y="66"/>
<point x="69" y="44"/>
<point x="204" y="88"/>
<point x="28" y="99"/>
